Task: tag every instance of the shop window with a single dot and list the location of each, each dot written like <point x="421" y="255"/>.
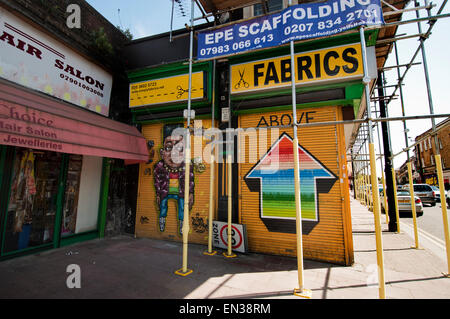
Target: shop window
<point x="71" y="195"/>
<point x="273" y="5"/>
<point x="32" y="203"/>
<point x="81" y="200"/>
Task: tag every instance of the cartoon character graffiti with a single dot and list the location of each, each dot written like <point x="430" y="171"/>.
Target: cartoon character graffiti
<point x="169" y="176"/>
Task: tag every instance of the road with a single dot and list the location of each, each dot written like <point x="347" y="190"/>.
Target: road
<point x="430" y="223"/>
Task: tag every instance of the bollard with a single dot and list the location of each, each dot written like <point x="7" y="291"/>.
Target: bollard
<point x="413" y="205"/>
<point x="444" y="210"/>
<point x="394" y="181"/>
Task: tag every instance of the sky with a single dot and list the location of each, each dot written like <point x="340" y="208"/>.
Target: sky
<point x="150" y="17"/>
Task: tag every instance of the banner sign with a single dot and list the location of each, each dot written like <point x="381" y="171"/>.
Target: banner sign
<point x="36" y="60"/>
<point x="299" y="22"/>
<point x="331" y="64"/>
<point x="167" y="90"/>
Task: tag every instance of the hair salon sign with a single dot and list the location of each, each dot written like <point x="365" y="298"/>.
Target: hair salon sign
<point x="33" y="59"/>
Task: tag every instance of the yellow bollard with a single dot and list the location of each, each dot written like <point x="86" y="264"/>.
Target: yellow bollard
<point x="378" y="233"/>
<point x="413" y="205"/>
<point x="397" y="215"/>
<point x="444" y="210"/>
<point x="229" y="253"/>
<point x="386" y="208"/>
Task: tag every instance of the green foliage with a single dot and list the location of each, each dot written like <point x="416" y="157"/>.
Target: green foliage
<point x="127" y="33"/>
<point x="101" y="43"/>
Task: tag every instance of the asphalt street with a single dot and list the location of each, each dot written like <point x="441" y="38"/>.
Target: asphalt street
<point x="430" y="223"/>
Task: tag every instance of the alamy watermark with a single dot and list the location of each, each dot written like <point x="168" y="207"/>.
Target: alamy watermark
<point x="74" y="278"/>
<point x="73" y="20"/>
<point x="243" y="145"/>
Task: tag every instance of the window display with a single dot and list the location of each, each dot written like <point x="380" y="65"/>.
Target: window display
<point x="33" y="197"/>
<point x="71" y="196"/>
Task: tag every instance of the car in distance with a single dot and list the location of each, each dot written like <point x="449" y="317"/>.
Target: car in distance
<point x="437" y="193"/>
<point x="425" y="193"/>
<point x="404" y="203"/>
<point x="448" y="198"/>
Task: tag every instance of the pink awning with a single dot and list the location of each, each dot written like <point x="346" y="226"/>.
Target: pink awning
<point x="33" y="120"/>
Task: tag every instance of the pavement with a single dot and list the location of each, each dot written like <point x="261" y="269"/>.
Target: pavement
<point x="125" y="267"/>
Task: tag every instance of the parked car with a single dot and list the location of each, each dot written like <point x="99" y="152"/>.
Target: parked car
<point x="404" y="203"/>
<point x="425" y="193"/>
<point x="448" y="198"/>
<point x="437" y="194"/>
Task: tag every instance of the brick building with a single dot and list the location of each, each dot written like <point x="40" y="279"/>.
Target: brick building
<point x="426" y="150"/>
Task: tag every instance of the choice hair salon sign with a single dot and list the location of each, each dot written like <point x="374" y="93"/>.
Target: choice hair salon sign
<point x="299" y="22"/>
<point x="33" y="59"/>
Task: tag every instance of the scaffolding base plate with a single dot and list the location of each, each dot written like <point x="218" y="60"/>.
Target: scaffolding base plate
<point x="180" y="272"/>
<point x="207" y="253"/>
<point x="233" y="255"/>
<point x="303" y="293"/>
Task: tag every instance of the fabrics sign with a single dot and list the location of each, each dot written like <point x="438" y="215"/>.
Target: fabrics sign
<point x="299" y="22"/>
<point x="35" y="60"/>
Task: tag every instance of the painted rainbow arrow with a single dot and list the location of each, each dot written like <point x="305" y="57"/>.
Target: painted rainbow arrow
<point x="275" y="172"/>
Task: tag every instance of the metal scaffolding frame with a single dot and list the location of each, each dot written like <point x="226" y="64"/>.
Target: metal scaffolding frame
<point x="362" y="149"/>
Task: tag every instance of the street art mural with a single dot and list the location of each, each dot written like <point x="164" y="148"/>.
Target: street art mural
<point x="273" y="177"/>
<point x="169" y="176"/>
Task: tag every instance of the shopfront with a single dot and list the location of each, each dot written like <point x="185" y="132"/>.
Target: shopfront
<point x="329" y="89"/>
<point x="157" y="100"/>
<point x="55" y="141"/>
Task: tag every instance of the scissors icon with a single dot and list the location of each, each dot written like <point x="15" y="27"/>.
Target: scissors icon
<point x="241" y="80"/>
<point x="181" y="91"/>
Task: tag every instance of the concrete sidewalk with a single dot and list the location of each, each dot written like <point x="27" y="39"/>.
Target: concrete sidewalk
<point x="125" y="267"/>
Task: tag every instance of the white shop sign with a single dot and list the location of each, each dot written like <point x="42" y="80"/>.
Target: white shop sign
<point x="35" y="60"/>
<point x="238" y="236"/>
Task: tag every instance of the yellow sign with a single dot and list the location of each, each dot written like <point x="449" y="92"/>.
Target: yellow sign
<point x="331" y="64"/>
<point x="167" y="90"/>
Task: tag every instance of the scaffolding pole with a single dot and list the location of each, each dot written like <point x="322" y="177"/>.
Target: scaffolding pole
<point x="375" y="195"/>
<point x="184" y="271"/>
<point x="300" y="291"/>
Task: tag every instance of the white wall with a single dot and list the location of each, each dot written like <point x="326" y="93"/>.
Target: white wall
<point x="89" y="197"/>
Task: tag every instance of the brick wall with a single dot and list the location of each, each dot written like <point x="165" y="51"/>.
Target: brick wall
<point x="427" y="154"/>
<point x="52" y="16"/>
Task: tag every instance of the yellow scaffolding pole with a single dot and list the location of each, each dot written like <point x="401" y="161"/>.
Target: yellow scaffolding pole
<point x="413" y="205"/>
<point x="229" y="253"/>
<point x="444" y="209"/>
<point x="397" y="215"/>
<point x="375" y="194"/>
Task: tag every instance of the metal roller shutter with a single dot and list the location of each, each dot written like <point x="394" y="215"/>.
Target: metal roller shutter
<point x="267" y="205"/>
